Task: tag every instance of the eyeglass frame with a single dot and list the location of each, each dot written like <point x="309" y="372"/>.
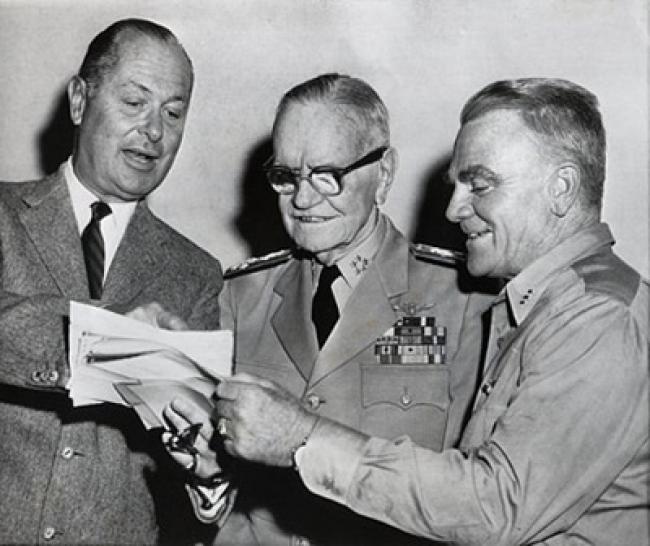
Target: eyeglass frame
<point x="337" y="172"/>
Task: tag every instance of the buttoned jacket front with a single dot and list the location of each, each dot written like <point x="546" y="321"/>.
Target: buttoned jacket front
<point x="90" y="474"/>
<point x="269" y="311"/>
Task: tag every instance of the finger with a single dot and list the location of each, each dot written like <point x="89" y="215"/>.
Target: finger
<point x="229" y="447"/>
<point x="189" y="410"/>
<point x="232" y="387"/>
<point x="176" y="420"/>
<point x="169" y="321"/>
<point x="224" y="408"/>
<point x="227" y="389"/>
<point x="187" y="461"/>
<point x="145" y="313"/>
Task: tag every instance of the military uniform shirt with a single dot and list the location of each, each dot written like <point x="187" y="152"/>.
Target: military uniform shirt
<point x="556" y="451"/>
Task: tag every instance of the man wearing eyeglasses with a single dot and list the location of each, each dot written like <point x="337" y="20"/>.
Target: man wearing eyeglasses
<point x="359" y="325"/>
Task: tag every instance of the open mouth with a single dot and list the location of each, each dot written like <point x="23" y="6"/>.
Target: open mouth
<point x="473" y="235"/>
<point x="140" y="159"/>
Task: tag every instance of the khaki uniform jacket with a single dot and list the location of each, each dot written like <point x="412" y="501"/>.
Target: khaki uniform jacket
<point x="90" y="474"/>
<point x="269" y="311"/>
<point x="556" y="452"/>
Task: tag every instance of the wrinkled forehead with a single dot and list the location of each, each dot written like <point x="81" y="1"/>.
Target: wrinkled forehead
<point x="319" y="133"/>
<point x="138" y="53"/>
<point x="497" y="131"/>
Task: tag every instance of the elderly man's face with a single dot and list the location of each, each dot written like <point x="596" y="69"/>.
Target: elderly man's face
<point x="501" y="196"/>
<point x="319" y="134"/>
<point x="131" y="125"/>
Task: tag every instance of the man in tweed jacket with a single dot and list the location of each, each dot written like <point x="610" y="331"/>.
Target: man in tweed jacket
<point x="92" y="474"/>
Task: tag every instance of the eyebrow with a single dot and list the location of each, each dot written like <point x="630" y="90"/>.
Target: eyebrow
<point x="147" y="91"/>
<point x="468" y="174"/>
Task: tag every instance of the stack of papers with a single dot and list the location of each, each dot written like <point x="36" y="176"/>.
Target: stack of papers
<point x="124" y="361"/>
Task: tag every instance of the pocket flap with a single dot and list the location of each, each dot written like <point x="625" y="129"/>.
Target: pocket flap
<point x="405" y="386"/>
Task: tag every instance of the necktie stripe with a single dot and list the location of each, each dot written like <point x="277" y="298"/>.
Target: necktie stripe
<point x="92" y="243"/>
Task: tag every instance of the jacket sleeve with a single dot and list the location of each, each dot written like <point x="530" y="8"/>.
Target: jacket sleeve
<point x="32" y="340"/>
<point x="205" y="313"/>
<point x="557" y="444"/>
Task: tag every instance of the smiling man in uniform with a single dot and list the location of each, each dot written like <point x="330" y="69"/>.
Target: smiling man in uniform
<point x="358" y="324"/>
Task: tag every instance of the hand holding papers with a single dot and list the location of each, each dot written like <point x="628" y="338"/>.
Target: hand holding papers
<point x="121" y="360"/>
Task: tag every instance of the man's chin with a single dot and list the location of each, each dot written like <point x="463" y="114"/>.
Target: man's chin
<point x="477" y="267"/>
<point x="324" y="254"/>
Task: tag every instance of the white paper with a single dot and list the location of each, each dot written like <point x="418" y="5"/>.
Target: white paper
<point x="121" y="360"/>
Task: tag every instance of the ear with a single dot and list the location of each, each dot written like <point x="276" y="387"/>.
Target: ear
<point x="77" y="96"/>
<point x="387" y="168"/>
<point x="564" y="188"/>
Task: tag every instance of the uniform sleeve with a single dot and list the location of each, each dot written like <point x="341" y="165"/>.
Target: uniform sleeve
<point x="577" y="417"/>
<point x="466" y="364"/>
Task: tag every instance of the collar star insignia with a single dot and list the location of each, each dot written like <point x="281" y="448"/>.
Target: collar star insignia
<point x="359" y="264"/>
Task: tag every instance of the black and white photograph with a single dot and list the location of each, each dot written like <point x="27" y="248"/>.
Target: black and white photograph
<point x="324" y="272"/>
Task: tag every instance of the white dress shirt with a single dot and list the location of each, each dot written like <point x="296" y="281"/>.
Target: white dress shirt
<point x="112" y="226"/>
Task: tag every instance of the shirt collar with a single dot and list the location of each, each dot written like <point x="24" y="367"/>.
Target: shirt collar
<point x="353" y="265"/>
<point x="524" y="290"/>
<point x="82" y="198"/>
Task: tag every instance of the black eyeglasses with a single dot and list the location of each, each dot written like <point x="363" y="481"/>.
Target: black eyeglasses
<point x="324" y="179"/>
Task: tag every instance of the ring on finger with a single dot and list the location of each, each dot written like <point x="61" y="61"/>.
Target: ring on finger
<point x="222" y="428"/>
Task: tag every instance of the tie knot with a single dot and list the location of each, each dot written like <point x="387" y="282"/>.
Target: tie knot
<point x="99" y="210"/>
<point x="328" y="275"/>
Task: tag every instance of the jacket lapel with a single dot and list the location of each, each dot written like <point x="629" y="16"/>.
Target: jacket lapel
<point x="292" y="318"/>
<point x="138" y="260"/>
<point x="50" y="222"/>
<point x="369" y="312"/>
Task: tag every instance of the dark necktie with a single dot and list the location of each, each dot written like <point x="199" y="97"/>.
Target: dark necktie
<point x="324" y="312"/>
<point x="93" y="248"/>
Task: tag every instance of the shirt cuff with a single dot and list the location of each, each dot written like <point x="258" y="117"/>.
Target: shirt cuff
<point x="211" y="504"/>
<point x="328" y="461"/>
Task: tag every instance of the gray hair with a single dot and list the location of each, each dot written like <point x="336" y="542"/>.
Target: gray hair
<point x="563" y="112"/>
<point x="361" y="101"/>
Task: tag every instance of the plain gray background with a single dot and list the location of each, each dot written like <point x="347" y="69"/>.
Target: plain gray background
<point x="424" y="57"/>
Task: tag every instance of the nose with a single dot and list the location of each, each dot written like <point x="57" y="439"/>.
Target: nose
<point x="305" y="196"/>
<point x="153" y="126"/>
<point x="460" y="204"/>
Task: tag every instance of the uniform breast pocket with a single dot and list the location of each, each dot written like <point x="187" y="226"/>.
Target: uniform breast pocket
<point x="406" y="399"/>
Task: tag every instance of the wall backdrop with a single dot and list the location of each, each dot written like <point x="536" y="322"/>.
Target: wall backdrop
<point x="424" y="57"/>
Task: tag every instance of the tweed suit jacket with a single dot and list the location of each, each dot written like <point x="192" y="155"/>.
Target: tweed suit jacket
<point x="269" y="311"/>
<point x="90" y="474"/>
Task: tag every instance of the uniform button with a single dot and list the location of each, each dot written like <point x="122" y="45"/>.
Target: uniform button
<point x="406" y="399"/>
<point x="486" y="389"/>
<point x="67" y="452"/>
<point x="301" y="541"/>
<point x="48" y="533"/>
<point x="37" y="377"/>
<point x="313" y="401"/>
<point x="53" y="376"/>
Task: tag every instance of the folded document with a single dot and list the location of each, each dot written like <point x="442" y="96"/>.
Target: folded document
<point x="124" y="361"/>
